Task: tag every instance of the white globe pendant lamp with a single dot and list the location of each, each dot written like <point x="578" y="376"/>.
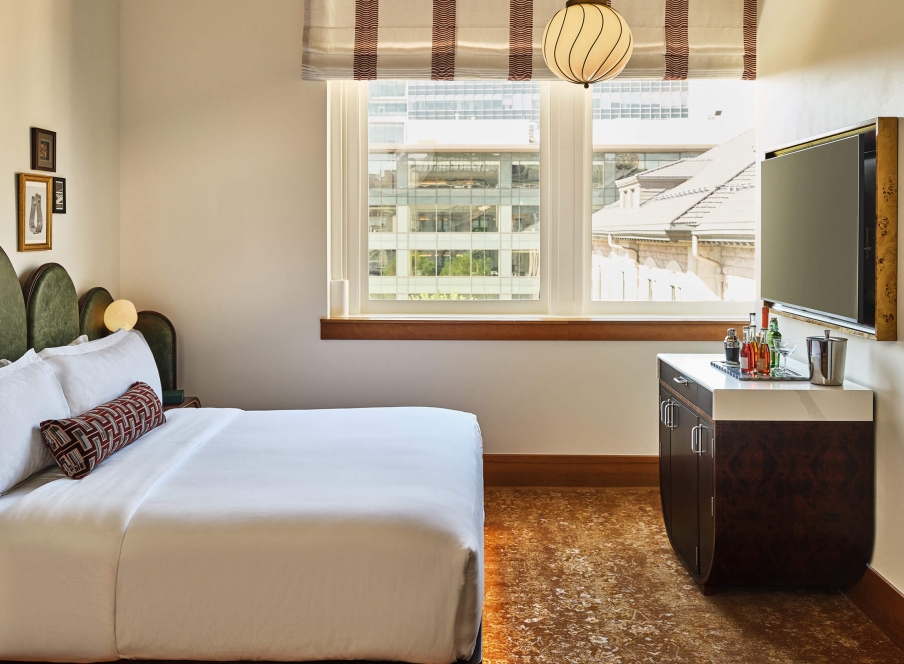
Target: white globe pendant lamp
<point x="587" y="42"/>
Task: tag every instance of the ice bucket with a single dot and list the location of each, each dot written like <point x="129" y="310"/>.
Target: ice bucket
<point x="827" y="355"/>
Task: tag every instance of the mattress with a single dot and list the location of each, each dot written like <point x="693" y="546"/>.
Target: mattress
<point x="232" y="535"/>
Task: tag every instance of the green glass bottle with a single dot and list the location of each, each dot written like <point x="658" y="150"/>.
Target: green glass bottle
<point x="773" y="336"/>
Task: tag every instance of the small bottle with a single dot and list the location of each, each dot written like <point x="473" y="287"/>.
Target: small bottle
<point x="732" y="348"/>
<point x="748" y="350"/>
<point x="763" y="356"/>
<point x="773" y="337"/>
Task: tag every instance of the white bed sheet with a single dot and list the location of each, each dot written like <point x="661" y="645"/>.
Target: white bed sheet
<point x="289" y="535"/>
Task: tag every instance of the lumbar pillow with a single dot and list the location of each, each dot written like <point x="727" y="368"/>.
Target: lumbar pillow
<point x="29" y="393"/>
<point x="80" y="443"/>
<point x="98" y="371"/>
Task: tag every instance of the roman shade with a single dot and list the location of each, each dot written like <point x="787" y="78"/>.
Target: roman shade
<point x="500" y="39"/>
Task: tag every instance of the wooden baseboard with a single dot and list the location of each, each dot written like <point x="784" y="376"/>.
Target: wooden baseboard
<point x="881" y="602"/>
<point x="570" y="470"/>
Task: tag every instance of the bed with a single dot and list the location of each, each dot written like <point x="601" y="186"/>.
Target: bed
<point x="232" y="535"/>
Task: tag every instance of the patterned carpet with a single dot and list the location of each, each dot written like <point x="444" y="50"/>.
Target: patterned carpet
<point x="588" y="575"/>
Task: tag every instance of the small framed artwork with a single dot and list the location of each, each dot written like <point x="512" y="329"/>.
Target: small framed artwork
<point x="35" y="212"/>
<point x="59" y="195"/>
<point x="43" y="149"/>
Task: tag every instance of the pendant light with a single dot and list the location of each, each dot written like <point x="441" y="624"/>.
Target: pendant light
<point x="586" y="42"/>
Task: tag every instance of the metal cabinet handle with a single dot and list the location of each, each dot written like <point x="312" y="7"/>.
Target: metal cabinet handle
<point x="662" y="405"/>
<point x="697" y="439"/>
<point x="681" y="380"/>
<point x="670" y="415"/>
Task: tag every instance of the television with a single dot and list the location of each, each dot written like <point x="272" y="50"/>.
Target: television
<point x="824" y="256"/>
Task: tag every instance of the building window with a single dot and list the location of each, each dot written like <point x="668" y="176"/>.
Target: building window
<point x="382" y="263"/>
<point x="641" y="100"/>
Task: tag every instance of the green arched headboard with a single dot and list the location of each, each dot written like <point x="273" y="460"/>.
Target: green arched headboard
<point x="51" y="308"/>
<point x="91" y="308"/>
<point x="160" y="334"/>
<point x="13" y="336"/>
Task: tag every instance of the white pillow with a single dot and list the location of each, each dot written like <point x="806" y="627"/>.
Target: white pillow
<point x="4" y="363"/>
<point x="29" y="394"/>
<point x="102" y="370"/>
<point x="11" y="367"/>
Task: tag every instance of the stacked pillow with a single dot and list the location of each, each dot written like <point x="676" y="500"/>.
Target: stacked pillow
<point x="29" y="393"/>
<point x="60" y="383"/>
<point x="100" y="371"/>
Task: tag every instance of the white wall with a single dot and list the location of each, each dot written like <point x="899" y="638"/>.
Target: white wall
<point x="821" y="67"/>
<point x="58" y="71"/>
<point x="224" y="228"/>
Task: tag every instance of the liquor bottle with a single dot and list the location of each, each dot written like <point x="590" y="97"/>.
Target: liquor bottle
<point x="732" y="348"/>
<point x="748" y="348"/>
<point x="773" y="337"/>
<point x="763" y="356"/>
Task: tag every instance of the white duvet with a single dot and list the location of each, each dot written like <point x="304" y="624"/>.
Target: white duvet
<point x="228" y="535"/>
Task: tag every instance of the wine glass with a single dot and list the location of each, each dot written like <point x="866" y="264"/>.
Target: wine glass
<point x="785" y="347"/>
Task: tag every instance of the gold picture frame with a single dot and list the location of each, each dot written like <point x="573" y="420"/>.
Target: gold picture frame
<point x="35" y="212"/>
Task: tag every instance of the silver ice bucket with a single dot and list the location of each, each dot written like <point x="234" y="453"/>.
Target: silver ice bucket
<point x="827" y="355"/>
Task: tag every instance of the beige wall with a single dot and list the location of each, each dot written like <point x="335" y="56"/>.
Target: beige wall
<point x="224" y="229"/>
<point x="822" y="66"/>
<point x="58" y="71"/>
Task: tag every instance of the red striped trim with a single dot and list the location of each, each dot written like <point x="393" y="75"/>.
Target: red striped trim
<point x="676" y="42"/>
<point x="442" y="65"/>
<point x="749" y="40"/>
<point x="521" y="38"/>
<point x="366" y="24"/>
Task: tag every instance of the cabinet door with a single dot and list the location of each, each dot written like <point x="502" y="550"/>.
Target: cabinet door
<point x="706" y="484"/>
<point x="665" y="462"/>
<point x="685" y="499"/>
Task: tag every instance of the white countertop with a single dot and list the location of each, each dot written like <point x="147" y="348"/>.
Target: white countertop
<point x="787" y="401"/>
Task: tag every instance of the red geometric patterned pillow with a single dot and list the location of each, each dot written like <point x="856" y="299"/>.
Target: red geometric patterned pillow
<point x="80" y="443"/>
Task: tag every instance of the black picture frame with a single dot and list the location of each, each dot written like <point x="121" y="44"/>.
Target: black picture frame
<point x="43" y="149"/>
<point x="59" y="195"/>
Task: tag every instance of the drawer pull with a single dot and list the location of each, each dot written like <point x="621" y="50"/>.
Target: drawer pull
<point x="681" y="380"/>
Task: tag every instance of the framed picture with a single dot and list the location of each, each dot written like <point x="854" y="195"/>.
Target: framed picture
<point x="59" y="195"/>
<point x="43" y="149"/>
<point x="35" y="212"/>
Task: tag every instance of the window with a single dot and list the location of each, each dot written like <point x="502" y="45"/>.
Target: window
<point x="448" y="189"/>
<point x="631" y="198"/>
<point x="673" y="186"/>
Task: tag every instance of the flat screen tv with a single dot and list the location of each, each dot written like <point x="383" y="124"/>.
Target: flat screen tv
<point x="819" y="230"/>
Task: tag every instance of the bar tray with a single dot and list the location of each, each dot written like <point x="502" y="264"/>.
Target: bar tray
<point x="735" y="372"/>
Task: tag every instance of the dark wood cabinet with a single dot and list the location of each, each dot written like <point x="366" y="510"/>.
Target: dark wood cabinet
<point x="759" y="501"/>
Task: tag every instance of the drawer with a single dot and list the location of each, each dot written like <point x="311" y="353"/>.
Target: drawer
<point x="697" y="394"/>
<point x="678" y="382"/>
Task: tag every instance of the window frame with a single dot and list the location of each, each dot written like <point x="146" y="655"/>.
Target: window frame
<point x="566" y="172"/>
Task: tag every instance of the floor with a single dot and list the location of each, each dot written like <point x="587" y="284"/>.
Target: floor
<point x="588" y="575"/>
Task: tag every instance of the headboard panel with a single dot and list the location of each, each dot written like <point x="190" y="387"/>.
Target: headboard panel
<point x="13" y="336"/>
<point x="160" y="334"/>
<point x="91" y="308"/>
<point x="51" y="308"/>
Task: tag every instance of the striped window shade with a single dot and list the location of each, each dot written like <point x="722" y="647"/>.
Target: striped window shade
<point x="500" y="39"/>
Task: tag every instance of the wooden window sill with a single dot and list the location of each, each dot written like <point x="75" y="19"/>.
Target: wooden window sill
<point x="433" y="328"/>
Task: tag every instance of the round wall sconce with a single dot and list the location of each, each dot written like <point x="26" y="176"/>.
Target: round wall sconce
<point x="120" y="315"/>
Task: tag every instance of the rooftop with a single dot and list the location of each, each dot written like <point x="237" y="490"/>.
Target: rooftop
<point x="711" y="196"/>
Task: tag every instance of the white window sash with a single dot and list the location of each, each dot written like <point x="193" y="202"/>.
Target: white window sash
<point x="566" y="154"/>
